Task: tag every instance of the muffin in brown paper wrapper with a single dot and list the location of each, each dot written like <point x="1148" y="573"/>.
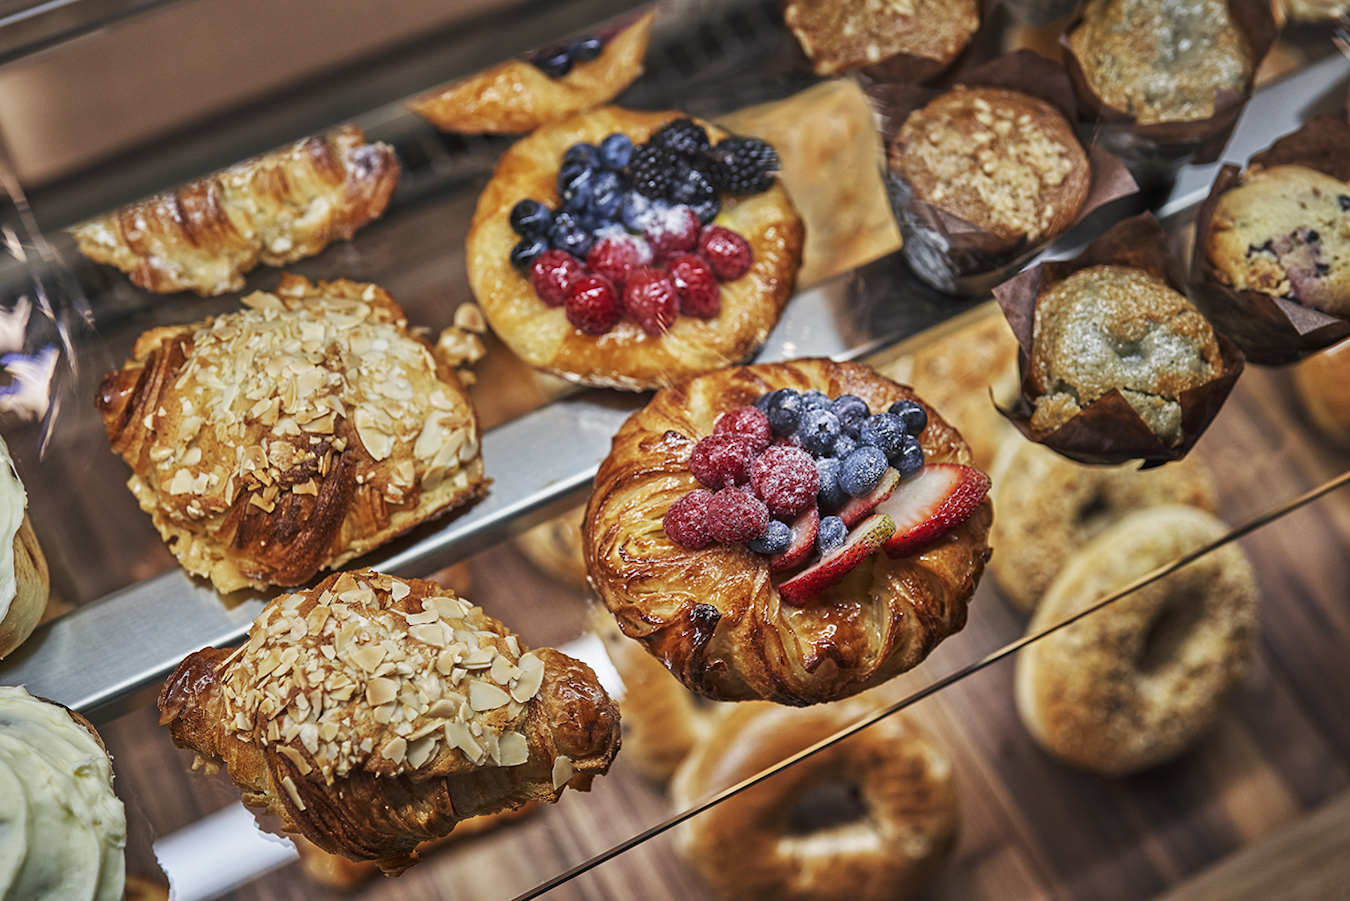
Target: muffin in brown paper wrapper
<point x="949" y="253"/>
<point x="1108" y="430"/>
<point x="1272" y="331"/>
<point x="1154" y="152"/>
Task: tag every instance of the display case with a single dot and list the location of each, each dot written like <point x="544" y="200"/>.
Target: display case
<point x="107" y="102"/>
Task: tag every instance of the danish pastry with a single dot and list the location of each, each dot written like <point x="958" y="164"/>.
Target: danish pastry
<point x="519" y="96"/>
<point x="612" y="286"/>
<point x="372" y="714"/>
<point x="274" y="209"/>
<point x="732" y="614"/>
<point x="24" y="581"/>
<point x="291" y="436"/>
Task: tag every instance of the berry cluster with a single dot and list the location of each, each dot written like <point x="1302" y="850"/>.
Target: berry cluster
<point x="633" y="235"/>
<point x="792" y="474"/>
<point x="555" y="62"/>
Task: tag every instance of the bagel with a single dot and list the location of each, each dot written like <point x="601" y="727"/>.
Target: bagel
<point x="626" y="356"/>
<point x="713" y="616"/>
<point x="1049" y="507"/>
<point x="870" y="818"/>
<point x="24" y="580"/>
<point x="1134" y="684"/>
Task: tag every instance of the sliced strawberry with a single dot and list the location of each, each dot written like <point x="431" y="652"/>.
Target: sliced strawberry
<point x="860" y="544"/>
<point x="804" y="529"/>
<point x="853" y="510"/>
<point x="931" y="504"/>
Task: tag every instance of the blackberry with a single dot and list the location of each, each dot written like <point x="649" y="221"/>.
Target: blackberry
<point x="691" y="188"/>
<point x="742" y="165"/>
<point x="683" y="136"/>
<point x="651" y="169"/>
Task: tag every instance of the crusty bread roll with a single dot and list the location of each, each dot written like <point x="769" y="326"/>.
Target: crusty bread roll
<point x="24" y="581"/>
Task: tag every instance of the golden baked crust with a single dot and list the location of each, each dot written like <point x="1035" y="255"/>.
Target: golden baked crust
<point x="372" y="714"/>
<point x="747" y="846"/>
<point x="1134" y="684"/>
<point x="1322" y="382"/>
<point x="293" y="435"/>
<point x="1111" y="327"/>
<point x="1161" y="61"/>
<point x="713" y="616"/>
<point x="1049" y="507"/>
<point x="838" y="35"/>
<point x="516" y="97"/>
<point x="275" y="209"/>
<point x="1027" y="176"/>
<point x="626" y="356"/>
<point x="32" y="587"/>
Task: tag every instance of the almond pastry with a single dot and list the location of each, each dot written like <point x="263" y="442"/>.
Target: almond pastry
<point x="371" y="714"/>
<point x="293" y="435"/>
<point x="275" y="209"/>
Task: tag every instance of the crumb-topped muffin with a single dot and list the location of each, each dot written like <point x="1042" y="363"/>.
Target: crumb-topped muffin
<point x="1285" y="232"/>
<point x="999" y="159"/>
<point x="1116" y="327"/>
<point x="1161" y="60"/>
<point x="839" y="35"/>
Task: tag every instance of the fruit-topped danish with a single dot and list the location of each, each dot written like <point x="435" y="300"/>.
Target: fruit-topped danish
<point x="796" y="532"/>
<point x="634" y="250"/>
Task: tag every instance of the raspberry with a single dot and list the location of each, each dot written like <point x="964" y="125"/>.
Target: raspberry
<point x="696" y="284"/>
<point x="616" y="256"/>
<point x="747" y="423"/>
<point x="593" y="305"/>
<point x="671" y="230"/>
<point x="736" y="515"/>
<point x="650" y="300"/>
<point x="786" y="478"/>
<point x="686" y="522"/>
<point x="553" y="273"/>
<point x="719" y="461"/>
<point x="727" y="252"/>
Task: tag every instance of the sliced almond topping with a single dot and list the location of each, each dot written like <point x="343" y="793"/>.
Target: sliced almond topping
<point x="294" y="794"/>
<point x="513" y="750"/>
<point x="562" y="771"/>
<point x="381" y="691"/>
<point x="395" y="750"/>
<point x="368" y="657"/>
<point x="503" y="670"/>
<point x="486" y="696"/>
<point x="457" y="735"/>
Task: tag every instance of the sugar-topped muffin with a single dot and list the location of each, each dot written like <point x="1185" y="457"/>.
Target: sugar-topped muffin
<point x="1117" y="327"/>
<point x="1161" y="60"/>
<point x="999" y="159"/>
<point x="839" y="35"/>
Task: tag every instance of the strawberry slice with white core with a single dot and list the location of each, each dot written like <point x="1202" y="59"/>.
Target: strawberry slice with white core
<point x="853" y="511"/>
<point x="860" y="544"/>
<point x="932" y="503"/>
<point x="804" y="529"/>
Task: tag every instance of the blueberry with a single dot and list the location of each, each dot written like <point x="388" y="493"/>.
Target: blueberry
<point x="830" y="495"/>
<point x="816" y="400"/>
<point x="775" y="539"/>
<point x="861" y="471"/>
<point x="568" y="234"/>
<point x="615" y="151"/>
<point x="583" y="153"/>
<point x="883" y="431"/>
<point x="785" y="411"/>
<point x="843" y="446"/>
<point x="831" y="534"/>
<point x="818" y="429"/>
<point x="526" y="249"/>
<point x="569" y="172"/>
<point x="530" y="218"/>
<point x="762" y="402"/>
<point x="912" y="415"/>
<point x="577" y="195"/>
<point x="583" y="50"/>
<point x="851" y="410"/>
<point x="555" y="62"/>
<point x="607" y="195"/>
<point x="910" y="459"/>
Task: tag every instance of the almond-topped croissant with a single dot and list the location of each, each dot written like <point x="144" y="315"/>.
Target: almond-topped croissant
<point x="371" y="713"/>
<point x="275" y="209"/>
<point x="293" y="435"/>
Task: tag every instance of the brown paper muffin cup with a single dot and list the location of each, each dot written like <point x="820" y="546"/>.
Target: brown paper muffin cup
<point x="1156" y="151"/>
<point x="1108" y="430"/>
<point x="1272" y="331"/>
<point x="947" y="252"/>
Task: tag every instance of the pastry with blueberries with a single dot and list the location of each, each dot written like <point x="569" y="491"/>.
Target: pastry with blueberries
<point x="793" y="532"/>
<point x="546" y="85"/>
<point x="633" y="250"/>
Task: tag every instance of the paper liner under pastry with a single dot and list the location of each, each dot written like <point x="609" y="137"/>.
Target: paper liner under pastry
<point x="947" y="252"/>
<point x="1155" y="152"/>
<point x="1272" y="331"/>
<point x="1108" y="430"/>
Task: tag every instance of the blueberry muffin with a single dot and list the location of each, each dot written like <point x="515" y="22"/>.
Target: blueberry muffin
<point x="1285" y="232"/>
<point x="1117" y="327"/>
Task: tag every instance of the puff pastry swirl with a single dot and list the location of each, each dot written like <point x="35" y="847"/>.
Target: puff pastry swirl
<point x="714" y="616"/>
<point x="371" y="714"/>
<point x="293" y="435"/>
<point x="275" y="209"/>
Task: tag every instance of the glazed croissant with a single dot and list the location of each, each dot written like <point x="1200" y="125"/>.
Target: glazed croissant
<point x="293" y="435"/>
<point x="276" y="208"/>
<point x="371" y="714"/>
